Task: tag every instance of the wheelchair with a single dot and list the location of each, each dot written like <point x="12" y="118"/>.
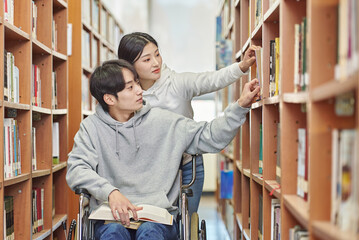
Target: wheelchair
<point x="83" y="228"/>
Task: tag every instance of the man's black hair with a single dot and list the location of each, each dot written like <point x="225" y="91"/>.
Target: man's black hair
<point x="108" y="79"/>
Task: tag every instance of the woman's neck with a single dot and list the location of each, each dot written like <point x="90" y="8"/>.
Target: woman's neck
<point x="146" y="84"/>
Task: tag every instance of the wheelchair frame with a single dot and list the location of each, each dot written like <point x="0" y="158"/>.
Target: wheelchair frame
<point x="85" y="229"/>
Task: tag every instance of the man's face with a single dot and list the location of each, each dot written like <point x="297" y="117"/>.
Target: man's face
<point x="130" y="98"/>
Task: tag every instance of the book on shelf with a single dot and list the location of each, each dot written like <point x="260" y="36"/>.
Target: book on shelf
<point x="149" y="213"/>
<point x="302" y="168"/>
<point x="34" y="20"/>
<point x="297" y="233"/>
<point x="9" y="11"/>
<point x="11" y="78"/>
<point x="94" y="52"/>
<point x="226" y="184"/>
<point x="277" y="70"/>
<point x="275" y="219"/>
<point x="85" y="48"/>
<point x="278" y="164"/>
<point x="103" y="22"/>
<point x="272" y="68"/>
<point x="344" y="186"/>
<point x="54" y="35"/>
<point x="9" y="232"/>
<point x="55" y="143"/>
<point x="33" y="150"/>
<point x="37" y="209"/>
<point x="345" y="104"/>
<point x="85" y="93"/>
<point x="36" y="86"/>
<point x="54" y="90"/>
<point x="347" y="39"/>
<point x="259" y="72"/>
<point x="258" y="12"/>
<point x="12" y="149"/>
<point x="260" y="167"/>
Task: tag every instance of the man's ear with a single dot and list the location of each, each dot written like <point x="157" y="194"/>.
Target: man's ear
<point x="109" y="99"/>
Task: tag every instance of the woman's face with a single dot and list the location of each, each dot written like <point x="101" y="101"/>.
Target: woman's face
<point x="148" y="65"/>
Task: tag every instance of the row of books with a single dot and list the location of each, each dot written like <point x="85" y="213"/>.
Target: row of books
<point x="34" y="19"/>
<point x="258" y="12"/>
<point x="275" y="219"/>
<point x="301" y="78"/>
<point x="345" y="170"/>
<point x="55" y="143"/>
<point x="9" y="11"/>
<point x="36" y="86"/>
<point x="12" y="148"/>
<point x="54" y="104"/>
<point x="9" y="232"/>
<point x="91" y="14"/>
<point x="302" y="168"/>
<point x="348" y="43"/>
<point x="297" y="233"/>
<point x="11" y="78"/>
<point x="37" y="209"/>
<point x="274" y="71"/>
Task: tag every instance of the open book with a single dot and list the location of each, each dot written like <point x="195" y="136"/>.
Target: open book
<point x="148" y="213"/>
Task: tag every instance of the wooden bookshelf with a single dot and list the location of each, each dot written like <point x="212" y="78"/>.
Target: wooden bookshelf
<point x="311" y="108"/>
<point x="96" y="35"/>
<point x="28" y="48"/>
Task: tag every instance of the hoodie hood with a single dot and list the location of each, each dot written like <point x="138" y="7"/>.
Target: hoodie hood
<point x="116" y="125"/>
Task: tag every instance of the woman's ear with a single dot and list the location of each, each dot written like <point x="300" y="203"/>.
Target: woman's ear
<point x="109" y="99"/>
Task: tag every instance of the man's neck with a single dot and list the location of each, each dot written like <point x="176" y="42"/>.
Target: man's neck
<point x="121" y="117"/>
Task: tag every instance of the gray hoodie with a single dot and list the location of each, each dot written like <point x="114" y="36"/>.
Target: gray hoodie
<point x="141" y="157"/>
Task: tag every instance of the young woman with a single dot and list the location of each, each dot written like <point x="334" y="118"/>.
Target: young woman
<point x="174" y="91"/>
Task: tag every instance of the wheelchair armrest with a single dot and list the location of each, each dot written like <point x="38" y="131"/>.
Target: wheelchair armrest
<point x="83" y="191"/>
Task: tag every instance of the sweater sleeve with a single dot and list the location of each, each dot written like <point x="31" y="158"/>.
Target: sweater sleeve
<point x="212" y="137"/>
<point x="82" y="165"/>
<point x="190" y="85"/>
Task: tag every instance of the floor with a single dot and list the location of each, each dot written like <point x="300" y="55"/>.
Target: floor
<point x="214" y="224"/>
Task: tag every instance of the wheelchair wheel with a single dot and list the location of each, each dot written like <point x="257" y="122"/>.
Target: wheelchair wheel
<point x="203" y="234"/>
<point x="194" y="226"/>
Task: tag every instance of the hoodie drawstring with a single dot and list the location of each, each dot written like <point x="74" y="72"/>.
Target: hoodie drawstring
<point x="134" y="132"/>
<point x="117" y="147"/>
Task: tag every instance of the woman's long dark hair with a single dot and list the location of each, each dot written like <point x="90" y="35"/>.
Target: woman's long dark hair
<point x="131" y="46"/>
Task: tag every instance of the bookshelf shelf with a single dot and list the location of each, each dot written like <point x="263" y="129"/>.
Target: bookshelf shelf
<point x="298" y="207"/>
<point x="326" y="230"/>
<point x="239" y="220"/>
<point x="334" y="88"/>
<point x="18" y="106"/>
<point x="41" y="173"/>
<point x="14" y="33"/>
<point x="58" y="167"/>
<point x="271" y="100"/>
<point x="40" y="48"/>
<point x="60" y="4"/>
<point x="58" y="220"/>
<point x="301" y="97"/>
<point x="290" y="134"/>
<point x="247" y="234"/>
<point x="92" y="44"/>
<point x="258" y="178"/>
<point x="15" y="180"/>
<point x="59" y="56"/>
<point x="59" y="111"/>
<point x="41" y="110"/>
<point x="247" y="172"/>
<point x="41" y="235"/>
<point x="29" y="47"/>
<point x="273" y="187"/>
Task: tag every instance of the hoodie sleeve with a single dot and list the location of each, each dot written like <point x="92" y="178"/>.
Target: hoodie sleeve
<point x="190" y="85"/>
<point x="212" y="137"/>
<point x="81" y="167"/>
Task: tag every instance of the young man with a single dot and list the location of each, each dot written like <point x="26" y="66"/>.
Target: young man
<point x="119" y="152"/>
